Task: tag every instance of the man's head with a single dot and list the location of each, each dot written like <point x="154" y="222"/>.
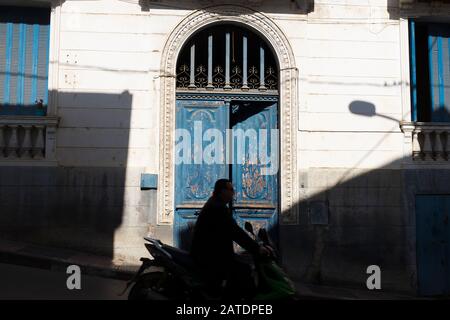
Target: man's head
<point x="223" y="189"/>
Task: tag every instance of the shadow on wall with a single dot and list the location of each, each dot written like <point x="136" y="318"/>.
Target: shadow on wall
<point x="351" y="219"/>
<point x="393" y="7"/>
<point x="285" y="6"/>
<point x="410" y="8"/>
<point x="81" y="202"/>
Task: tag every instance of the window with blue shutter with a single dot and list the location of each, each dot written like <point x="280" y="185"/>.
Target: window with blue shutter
<point x="430" y="71"/>
<point x="24" y="52"/>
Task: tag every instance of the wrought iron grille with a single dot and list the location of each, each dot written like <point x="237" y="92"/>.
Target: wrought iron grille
<point x="224" y="58"/>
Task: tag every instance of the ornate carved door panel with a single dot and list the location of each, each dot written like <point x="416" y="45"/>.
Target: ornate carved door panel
<point x="196" y="175"/>
<point x="254" y="176"/>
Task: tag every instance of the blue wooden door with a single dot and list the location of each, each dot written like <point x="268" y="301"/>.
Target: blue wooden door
<point x="254" y="176"/>
<point x="251" y="162"/>
<point x="433" y="244"/>
<point x="195" y="178"/>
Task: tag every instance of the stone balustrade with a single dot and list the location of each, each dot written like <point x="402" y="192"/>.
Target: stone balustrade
<point x="27" y="137"/>
<point x="430" y="141"/>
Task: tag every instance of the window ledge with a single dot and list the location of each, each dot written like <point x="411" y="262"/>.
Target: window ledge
<point x="50" y="120"/>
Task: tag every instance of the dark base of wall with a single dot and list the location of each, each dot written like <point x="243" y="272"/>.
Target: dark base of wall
<point x="371" y="221"/>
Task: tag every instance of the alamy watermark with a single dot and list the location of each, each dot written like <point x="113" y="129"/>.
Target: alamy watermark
<point x="231" y="146"/>
<point x="74" y="280"/>
<point x="374" y="281"/>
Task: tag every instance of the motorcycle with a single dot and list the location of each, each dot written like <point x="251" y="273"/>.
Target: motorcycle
<point x="172" y="275"/>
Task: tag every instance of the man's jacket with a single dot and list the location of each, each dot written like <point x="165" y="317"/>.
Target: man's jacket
<point x="214" y="233"/>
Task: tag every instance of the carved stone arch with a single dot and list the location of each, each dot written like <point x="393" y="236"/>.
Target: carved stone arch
<point x="288" y="92"/>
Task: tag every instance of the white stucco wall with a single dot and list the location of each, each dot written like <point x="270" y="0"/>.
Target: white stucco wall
<point x="345" y="51"/>
<point x="348" y="51"/>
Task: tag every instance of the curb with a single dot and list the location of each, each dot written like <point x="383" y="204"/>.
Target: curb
<point x="56" y="264"/>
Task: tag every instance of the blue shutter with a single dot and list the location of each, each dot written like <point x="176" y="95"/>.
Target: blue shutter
<point x="412" y="41"/>
<point x="3" y="67"/>
<point x="14" y="65"/>
<point x="439" y="68"/>
<point x="24" y="50"/>
<point x="42" y="68"/>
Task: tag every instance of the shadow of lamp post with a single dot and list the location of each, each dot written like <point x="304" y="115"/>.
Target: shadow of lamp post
<point x="367" y="109"/>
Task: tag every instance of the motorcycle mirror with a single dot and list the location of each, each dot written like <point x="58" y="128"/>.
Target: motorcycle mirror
<point x="249" y="227"/>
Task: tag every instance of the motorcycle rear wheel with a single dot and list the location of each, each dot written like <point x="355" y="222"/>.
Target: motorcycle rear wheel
<point x="150" y="286"/>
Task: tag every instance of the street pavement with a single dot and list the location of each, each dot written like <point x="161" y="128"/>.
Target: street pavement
<point x="37" y="272"/>
<point x="20" y="282"/>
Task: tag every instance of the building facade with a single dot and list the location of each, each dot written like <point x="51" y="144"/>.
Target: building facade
<point x="96" y="97"/>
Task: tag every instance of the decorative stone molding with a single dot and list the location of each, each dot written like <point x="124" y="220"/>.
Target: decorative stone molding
<point x="274" y="36"/>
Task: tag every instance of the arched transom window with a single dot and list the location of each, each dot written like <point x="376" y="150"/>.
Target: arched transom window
<point x="226" y="58"/>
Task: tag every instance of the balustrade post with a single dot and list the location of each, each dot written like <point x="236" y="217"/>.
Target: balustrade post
<point x="38" y="148"/>
<point x="446" y="145"/>
<point x="26" y="144"/>
<point x="416" y="145"/>
<point x="13" y="143"/>
<point x="2" y="140"/>
<point x="438" y="148"/>
<point x="427" y="149"/>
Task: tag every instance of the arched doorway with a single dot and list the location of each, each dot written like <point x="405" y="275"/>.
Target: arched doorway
<point x="226" y="126"/>
<point x="288" y="106"/>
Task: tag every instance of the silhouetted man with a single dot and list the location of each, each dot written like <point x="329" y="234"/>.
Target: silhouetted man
<point x="212" y="243"/>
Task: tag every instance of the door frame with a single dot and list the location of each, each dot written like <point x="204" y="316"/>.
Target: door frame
<point x="288" y="92"/>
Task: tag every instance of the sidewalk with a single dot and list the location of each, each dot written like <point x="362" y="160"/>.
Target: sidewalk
<point x="58" y="259"/>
